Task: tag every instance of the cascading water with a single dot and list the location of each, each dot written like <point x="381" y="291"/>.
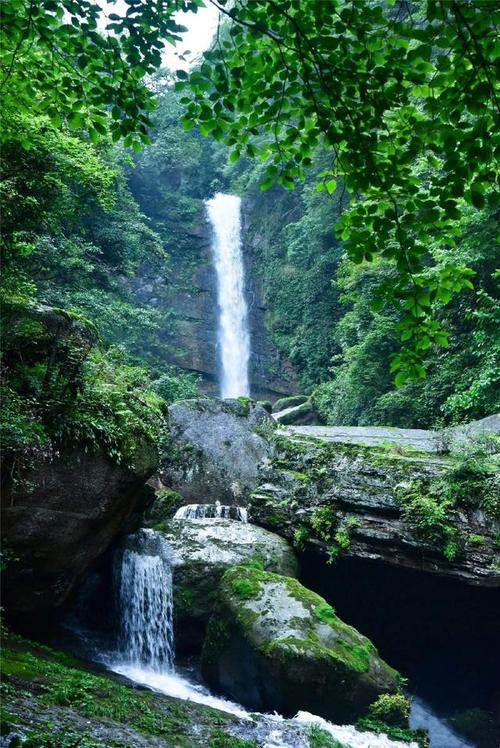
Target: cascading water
<point x="144" y="581"/>
<point x="145" y="651"/>
<point x="212" y="511"/>
<point x="234" y="339"/>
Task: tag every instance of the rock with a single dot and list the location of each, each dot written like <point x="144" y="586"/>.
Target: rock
<point x="271" y="644"/>
<point x="63" y="517"/>
<point x="289" y="402"/>
<point x="343" y="499"/>
<point x="216" y="448"/>
<point x="297" y="414"/>
<point x="202" y="550"/>
<point x="459" y="436"/>
<point x="266" y="404"/>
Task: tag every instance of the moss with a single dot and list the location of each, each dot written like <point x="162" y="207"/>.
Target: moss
<point x="183" y="599"/>
<point x="325" y="613"/>
<point x="319" y="738"/>
<point x="245" y="588"/>
<point x="55" y="682"/>
<point x="397" y="733"/>
<point x="221" y="739"/>
<point x="289" y="402"/>
<point x="302" y="477"/>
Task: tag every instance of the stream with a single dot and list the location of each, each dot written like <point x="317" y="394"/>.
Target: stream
<point x="143" y="653"/>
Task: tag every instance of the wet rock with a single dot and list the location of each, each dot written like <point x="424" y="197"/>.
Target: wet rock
<point x="216" y="448"/>
<point x="342" y="498"/>
<point x="61" y="519"/>
<point x="272" y="644"/>
<point x="202" y="550"/>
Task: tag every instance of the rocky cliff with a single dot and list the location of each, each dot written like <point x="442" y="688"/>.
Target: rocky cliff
<point x="390" y="496"/>
<point x="60" y="519"/>
<point x="388" y="504"/>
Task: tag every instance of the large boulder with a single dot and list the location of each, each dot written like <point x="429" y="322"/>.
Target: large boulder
<point x="60" y="519"/>
<point x="215" y="449"/>
<point x="201" y="551"/>
<point x="271" y="644"/>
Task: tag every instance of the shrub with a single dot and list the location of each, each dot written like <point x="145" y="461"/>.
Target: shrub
<point x="392" y="709"/>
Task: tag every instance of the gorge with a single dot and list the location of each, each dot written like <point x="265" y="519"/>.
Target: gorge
<point x="250" y="434"/>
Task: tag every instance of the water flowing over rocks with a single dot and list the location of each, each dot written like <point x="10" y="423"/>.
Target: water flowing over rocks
<point x="201" y="551"/>
<point x="216" y="447"/>
<point x="272" y="644"/>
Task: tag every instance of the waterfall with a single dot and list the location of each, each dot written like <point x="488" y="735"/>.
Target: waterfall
<point x="143" y="580"/>
<point x="210" y="511"/>
<point x="234" y="340"/>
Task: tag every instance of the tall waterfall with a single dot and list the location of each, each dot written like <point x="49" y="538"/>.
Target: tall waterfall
<point x="234" y="339"/>
<point x="144" y="586"/>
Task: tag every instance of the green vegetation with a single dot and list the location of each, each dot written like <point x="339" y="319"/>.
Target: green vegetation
<point x="392" y="709"/>
<point x="319" y="738"/>
<point x="381" y="113"/>
<point x="397" y="733"/>
<point x="245" y="588"/>
<point x="220" y="739"/>
<point x="429" y="508"/>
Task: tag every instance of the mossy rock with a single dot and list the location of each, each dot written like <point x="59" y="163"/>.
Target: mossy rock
<point x="272" y="644"/>
<point x="289" y="402"/>
<point x="297" y="415"/>
<point x="201" y="553"/>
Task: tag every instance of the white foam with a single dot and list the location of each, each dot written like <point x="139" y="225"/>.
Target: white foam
<point x="173" y="684"/>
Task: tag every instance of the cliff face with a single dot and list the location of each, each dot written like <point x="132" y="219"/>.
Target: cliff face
<point x="190" y="293"/>
<point x="350" y="500"/>
<point x="64" y="516"/>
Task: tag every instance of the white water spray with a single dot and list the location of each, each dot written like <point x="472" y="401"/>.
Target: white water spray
<point x="144" y="582"/>
<point x="212" y="511"/>
<point x="234" y="339"/>
<point x="146" y="652"/>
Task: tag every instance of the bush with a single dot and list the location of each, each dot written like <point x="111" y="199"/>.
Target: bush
<point x="392" y="709"/>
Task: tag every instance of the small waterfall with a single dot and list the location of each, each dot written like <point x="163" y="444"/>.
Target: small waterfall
<point x="234" y="339"/>
<point x="143" y="579"/>
<point x="211" y="511"/>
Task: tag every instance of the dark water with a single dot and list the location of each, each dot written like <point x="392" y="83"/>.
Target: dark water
<point x="443" y="636"/>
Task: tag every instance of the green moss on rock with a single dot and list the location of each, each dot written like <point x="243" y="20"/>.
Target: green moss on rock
<point x="285" y="649"/>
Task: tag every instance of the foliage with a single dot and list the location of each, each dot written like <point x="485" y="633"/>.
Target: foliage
<point x="300" y="537"/>
<point x="429" y="516"/>
<point x="83" y="68"/>
<point x="319" y="738"/>
<point x="401" y="101"/>
<point x="176" y="384"/>
<point x="324" y="521"/>
<point x="393" y="709"/>
<point x="462" y="380"/>
<point x="430" y="508"/>
<point x="397" y="733"/>
<point x="62" y="390"/>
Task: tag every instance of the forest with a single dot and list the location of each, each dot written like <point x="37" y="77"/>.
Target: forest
<point x="250" y="373"/>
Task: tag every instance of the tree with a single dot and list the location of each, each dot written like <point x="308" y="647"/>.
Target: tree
<point x="67" y="59"/>
<point x="404" y="99"/>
